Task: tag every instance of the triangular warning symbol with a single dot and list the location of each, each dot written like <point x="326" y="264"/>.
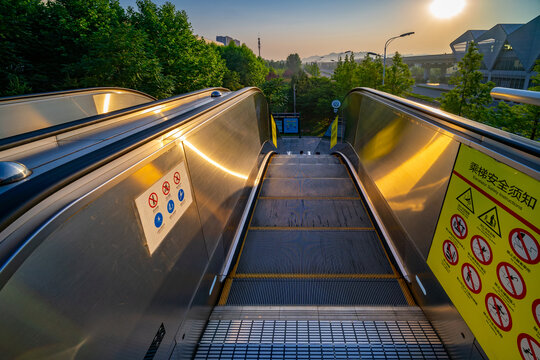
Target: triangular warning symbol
<point x="491" y="219"/>
<point x="466" y="200"/>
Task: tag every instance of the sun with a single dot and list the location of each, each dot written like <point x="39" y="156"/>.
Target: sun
<point x="445" y="9"/>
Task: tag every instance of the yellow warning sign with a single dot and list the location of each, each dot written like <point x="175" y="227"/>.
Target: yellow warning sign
<point x="333" y="137"/>
<point x="486" y="254"/>
<point x="274" y="131"/>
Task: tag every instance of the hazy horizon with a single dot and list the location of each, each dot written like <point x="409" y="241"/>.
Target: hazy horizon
<point x="312" y="28"/>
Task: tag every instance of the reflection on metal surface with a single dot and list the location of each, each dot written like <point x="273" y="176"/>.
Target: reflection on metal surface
<point x="155" y="109"/>
<point x="147" y="175"/>
<point x="384" y="141"/>
<point x="106" y="103"/>
<point x="11" y="171"/>
<point x="219" y="166"/>
<point x="415" y="168"/>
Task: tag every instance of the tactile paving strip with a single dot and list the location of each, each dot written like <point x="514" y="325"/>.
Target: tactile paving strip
<point x="284" y="339"/>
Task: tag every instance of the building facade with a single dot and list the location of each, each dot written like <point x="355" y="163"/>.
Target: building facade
<point x="226" y="40"/>
<point x="510" y="52"/>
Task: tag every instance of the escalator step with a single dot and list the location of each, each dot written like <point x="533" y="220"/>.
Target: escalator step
<point x="310" y="213"/>
<point x="307" y="171"/>
<point x="302" y="159"/>
<point x="275" y="291"/>
<point x="308" y="188"/>
<point x="313" y="252"/>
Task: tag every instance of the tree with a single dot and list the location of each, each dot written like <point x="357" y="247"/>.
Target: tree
<point x="276" y="92"/>
<point x="313" y="69"/>
<point x="189" y="62"/>
<point x="294" y="64"/>
<point x="470" y="95"/>
<point x="251" y="70"/>
<point x="346" y="75"/>
<point x="398" y="79"/>
<point x="370" y="72"/>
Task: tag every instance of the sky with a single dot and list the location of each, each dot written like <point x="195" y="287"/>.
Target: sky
<point x="315" y="27"/>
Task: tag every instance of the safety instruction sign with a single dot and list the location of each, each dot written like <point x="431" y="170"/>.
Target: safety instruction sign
<point x="163" y="204"/>
<point x="486" y="254"/>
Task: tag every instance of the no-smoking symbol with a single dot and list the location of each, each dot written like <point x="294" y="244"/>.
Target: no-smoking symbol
<point x="153" y="200"/>
<point x="498" y="312"/>
<point x="536" y="311"/>
<point x="166" y="188"/>
<point x="524" y="246"/>
<point x="471" y="278"/>
<point x="450" y="252"/>
<point x="459" y="226"/>
<point x="511" y="280"/>
<point x="529" y="348"/>
<point x="177" y="178"/>
<point x="481" y="250"/>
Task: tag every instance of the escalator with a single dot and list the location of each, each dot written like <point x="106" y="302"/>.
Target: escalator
<point x="313" y="279"/>
<point x="176" y="229"/>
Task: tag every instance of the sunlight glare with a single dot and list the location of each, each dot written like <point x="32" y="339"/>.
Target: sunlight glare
<point x="445" y="9"/>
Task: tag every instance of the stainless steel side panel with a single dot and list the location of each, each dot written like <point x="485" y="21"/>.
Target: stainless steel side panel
<point x="221" y="155"/>
<point x="91" y="289"/>
<point x="404" y="161"/>
<point x="84" y="284"/>
<point x="34" y="113"/>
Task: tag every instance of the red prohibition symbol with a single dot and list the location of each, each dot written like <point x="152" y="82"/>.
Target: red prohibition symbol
<point x="498" y="312"/>
<point x="536" y="311"/>
<point x="529" y="348"/>
<point x="471" y="278"/>
<point x="450" y="252"/>
<point x="177" y="178"/>
<point x="459" y="226"/>
<point x="153" y="200"/>
<point x="511" y="280"/>
<point x="481" y="250"/>
<point x="166" y="188"/>
<point x="524" y="246"/>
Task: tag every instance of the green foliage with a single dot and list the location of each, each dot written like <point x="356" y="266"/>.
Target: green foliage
<point x="61" y="44"/>
<point x="350" y="74"/>
<point x="314" y="96"/>
<point x="470" y="95"/>
<point x="251" y="70"/>
<point x="313" y="69"/>
<point x="293" y="65"/>
<point x="417" y="72"/>
<point x="398" y="79"/>
<point x="276" y="92"/>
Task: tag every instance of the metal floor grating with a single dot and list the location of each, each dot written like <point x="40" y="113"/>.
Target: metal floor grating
<point x="331" y="339"/>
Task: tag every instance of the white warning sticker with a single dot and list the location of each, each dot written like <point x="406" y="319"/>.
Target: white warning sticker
<point x="163" y="204"/>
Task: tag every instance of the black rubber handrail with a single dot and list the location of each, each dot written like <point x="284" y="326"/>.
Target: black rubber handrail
<point x="18" y="140"/>
<point x="37" y="187"/>
<point x="514" y="141"/>
<point x="73" y="91"/>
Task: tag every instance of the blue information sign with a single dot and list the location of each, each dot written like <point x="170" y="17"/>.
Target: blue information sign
<point x="290" y="126"/>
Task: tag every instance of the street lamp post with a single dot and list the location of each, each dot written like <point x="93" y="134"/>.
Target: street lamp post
<point x="385" y="45"/>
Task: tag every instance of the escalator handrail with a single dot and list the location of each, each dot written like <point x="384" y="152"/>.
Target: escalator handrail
<point x="38" y="187"/>
<point x="71" y="92"/>
<point x="18" y="140"/>
<point x="517" y="142"/>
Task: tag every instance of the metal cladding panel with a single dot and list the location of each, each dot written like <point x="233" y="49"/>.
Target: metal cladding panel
<point x="490" y="45"/>
<point x="526" y="43"/>
<point x="91" y="289"/>
<point x="221" y="155"/>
